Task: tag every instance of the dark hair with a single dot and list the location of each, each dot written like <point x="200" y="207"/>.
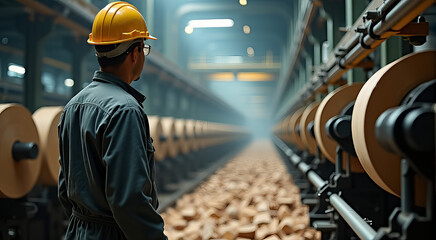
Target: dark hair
<point x="115" y="61"/>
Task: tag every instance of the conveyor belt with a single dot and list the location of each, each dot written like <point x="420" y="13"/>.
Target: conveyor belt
<point x="252" y="197"/>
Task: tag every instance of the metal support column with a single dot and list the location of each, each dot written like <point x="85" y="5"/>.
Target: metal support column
<point x="35" y="28"/>
<point x="336" y="19"/>
<point x="353" y="9"/>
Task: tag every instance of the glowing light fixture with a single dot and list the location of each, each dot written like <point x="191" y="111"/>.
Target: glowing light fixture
<point x="243" y="2"/>
<point x="254" y="76"/>
<point x="17" y="69"/>
<point x="211" y="23"/>
<point x="246" y="29"/>
<point x="222" y="77"/>
<point x="189" y="29"/>
<point x="69" y="82"/>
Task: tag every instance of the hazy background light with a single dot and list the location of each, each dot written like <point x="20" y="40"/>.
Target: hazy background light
<point x="246" y="29"/>
<point x="17" y="69"/>
<point x="243" y="2"/>
<point x="189" y="29"/>
<point x="69" y="82"/>
<point x="250" y="52"/>
<point x="254" y="77"/>
<point x="228" y="59"/>
<point x="222" y="77"/>
<point x="211" y="23"/>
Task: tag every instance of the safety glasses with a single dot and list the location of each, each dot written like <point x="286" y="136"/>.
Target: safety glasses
<point x="147" y="49"/>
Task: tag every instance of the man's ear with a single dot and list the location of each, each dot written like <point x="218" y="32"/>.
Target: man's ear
<point x="134" y="55"/>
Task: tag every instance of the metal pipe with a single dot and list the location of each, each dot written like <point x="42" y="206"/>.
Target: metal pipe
<point x="304" y="168"/>
<point x="315" y="179"/>
<point x="393" y="18"/>
<point x="295" y="159"/>
<point x="359" y="226"/>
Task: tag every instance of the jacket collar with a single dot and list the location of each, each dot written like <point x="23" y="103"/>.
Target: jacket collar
<point x="110" y="78"/>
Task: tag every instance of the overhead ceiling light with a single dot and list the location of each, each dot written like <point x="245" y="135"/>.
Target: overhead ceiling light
<point x="228" y="59"/>
<point x="211" y="23"/>
<point x="246" y="29"/>
<point x="254" y="76"/>
<point x="222" y="77"/>
<point x="69" y="82"/>
<point x="250" y="52"/>
<point x="189" y="29"/>
<point x="243" y="2"/>
<point x="15" y="70"/>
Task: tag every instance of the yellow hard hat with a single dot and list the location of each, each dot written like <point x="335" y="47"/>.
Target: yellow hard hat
<point x="116" y="23"/>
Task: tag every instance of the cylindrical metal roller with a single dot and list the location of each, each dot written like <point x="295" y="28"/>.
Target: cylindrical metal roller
<point x="307" y="117"/>
<point x="384" y="90"/>
<point x="159" y="139"/>
<point x="24" y="150"/>
<point x="47" y="120"/>
<point x="331" y="106"/>
<point x="180" y="131"/>
<point x="17" y="178"/>
<point x="169" y="131"/>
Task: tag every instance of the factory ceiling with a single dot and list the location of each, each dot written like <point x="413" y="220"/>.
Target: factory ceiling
<point x="240" y="61"/>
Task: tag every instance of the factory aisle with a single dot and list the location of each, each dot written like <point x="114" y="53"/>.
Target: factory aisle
<point x="252" y="197"/>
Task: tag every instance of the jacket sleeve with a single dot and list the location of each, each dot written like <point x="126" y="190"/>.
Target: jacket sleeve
<point x="62" y="194"/>
<point x="62" y="189"/>
<point x="128" y="182"/>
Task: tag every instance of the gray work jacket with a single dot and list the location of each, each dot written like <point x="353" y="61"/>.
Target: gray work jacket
<point x="106" y="178"/>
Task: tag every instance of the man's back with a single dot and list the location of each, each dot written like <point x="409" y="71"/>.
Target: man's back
<point x="107" y="167"/>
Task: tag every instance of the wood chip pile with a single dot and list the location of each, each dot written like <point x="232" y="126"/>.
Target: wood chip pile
<point x="252" y="197"/>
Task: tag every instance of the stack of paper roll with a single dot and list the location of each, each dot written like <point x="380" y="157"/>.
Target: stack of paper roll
<point x="386" y="89"/>
<point x="47" y="120"/>
<point x="308" y="116"/>
<point x="294" y="125"/>
<point x="190" y="135"/>
<point x="169" y="131"/>
<point x="17" y="176"/>
<point x="286" y="134"/>
<point x="156" y="132"/>
<point x="331" y="106"/>
<point x="199" y="133"/>
<point x="180" y="130"/>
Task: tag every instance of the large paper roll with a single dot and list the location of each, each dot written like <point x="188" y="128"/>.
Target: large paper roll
<point x="156" y="132"/>
<point x="307" y="117"/>
<point x="385" y="90"/>
<point x="331" y="106"/>
<point x="294" y="123"/>
<point x="17" y="178"/>
<point x="199" y="133"/>
<point x="169" y="133"/>
<point x="47" y="120"/>
<point x="286" y="134"/>
<point x="180" y="131"/>
<point x="190" y="133"/>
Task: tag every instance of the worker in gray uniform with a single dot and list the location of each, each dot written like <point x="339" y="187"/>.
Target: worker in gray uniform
<point x="107" y="172"/>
